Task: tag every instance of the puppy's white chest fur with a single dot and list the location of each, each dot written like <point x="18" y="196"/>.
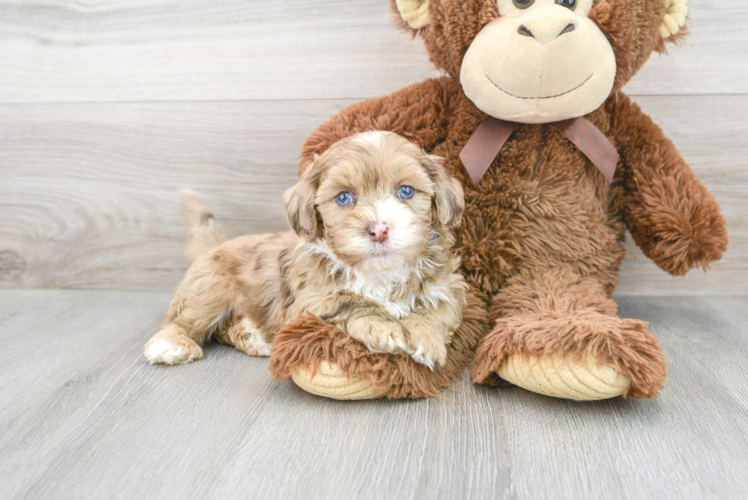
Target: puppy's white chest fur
<point x="380" y="288"/>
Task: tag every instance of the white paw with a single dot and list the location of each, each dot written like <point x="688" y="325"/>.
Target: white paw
<point x="162" y="351"/>
<point x="389" y="343"/>
<point x="254" y="343"/>
<point x="436" y="356"/>
<point x="378" y="335"/>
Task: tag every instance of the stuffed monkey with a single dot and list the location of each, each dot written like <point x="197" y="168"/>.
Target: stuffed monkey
<point x="557" y="163"/>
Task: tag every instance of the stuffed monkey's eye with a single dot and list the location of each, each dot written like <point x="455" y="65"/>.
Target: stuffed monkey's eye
<point x="344" y="198"/>
<point x="570" y="4"/>
<point x="523" y="4"/>
<point x="405" y="192"/>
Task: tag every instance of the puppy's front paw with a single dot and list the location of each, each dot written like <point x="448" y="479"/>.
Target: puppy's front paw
<point x="172" y="348"/>
<point x="430" y="352"/>
<point x="378" y="334"/>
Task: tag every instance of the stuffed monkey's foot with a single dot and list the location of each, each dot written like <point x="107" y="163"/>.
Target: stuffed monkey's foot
<point x="580" y="354"/>
<point x="564" y="378"/>
<point x="171" y="346"/>
<point x="558" y="334"/>
<point x="324" y="360"/>
<point x="331" y="382"/>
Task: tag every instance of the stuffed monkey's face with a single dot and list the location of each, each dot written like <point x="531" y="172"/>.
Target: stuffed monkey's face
<point x="540" y="61"/>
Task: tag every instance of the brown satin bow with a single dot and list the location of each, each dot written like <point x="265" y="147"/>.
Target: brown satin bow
<point x="486" y="142"/>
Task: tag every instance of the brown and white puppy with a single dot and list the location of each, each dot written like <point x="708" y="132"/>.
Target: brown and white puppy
<point x="371" y="252"/>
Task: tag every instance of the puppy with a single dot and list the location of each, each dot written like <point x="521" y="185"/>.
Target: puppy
<point x="371" y="252"/>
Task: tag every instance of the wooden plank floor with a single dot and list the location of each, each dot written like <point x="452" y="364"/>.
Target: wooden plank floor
<point x="84" y="416"/>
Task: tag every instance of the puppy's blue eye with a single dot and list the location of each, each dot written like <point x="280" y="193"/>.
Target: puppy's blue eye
<point x="344" y="198"/>
<point x="405" y="192"/>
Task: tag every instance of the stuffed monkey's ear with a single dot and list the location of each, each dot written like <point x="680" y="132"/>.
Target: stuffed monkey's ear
<point x="415" y="13"/>
<point x="675" y="18"/>
<point x="298" y="202"/>
<point x="449" y="198"/>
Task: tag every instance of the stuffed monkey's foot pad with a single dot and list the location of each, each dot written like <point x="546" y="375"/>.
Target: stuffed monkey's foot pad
<point x="561" y="377"/>
<point x="331" y="382"/>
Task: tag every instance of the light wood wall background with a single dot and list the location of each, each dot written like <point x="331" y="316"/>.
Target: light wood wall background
<point x="109" y="107"/>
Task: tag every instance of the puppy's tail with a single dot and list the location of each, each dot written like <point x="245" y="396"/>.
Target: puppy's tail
<point x="205" y="232"/>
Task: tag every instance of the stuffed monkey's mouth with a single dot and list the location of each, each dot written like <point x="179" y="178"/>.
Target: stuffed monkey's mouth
<point x="540" y="97"/>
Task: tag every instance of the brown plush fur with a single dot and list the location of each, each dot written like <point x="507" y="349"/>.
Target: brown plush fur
<point x="398" y="293"/>
<point x="557" y="312"/>
<point x="543" y="217"/>
<point x="306" y="341"/>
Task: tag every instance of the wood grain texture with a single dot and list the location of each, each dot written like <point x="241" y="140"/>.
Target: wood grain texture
<point x="84" y="416"/>
<point x="89" y="193"/>
<point x="206" y="50"/>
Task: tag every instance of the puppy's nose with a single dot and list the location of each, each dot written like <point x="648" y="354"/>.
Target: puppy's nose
<point x="379" y="232"/>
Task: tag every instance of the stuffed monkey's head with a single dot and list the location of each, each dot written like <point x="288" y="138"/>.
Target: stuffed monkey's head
<point x="540" y="61"/>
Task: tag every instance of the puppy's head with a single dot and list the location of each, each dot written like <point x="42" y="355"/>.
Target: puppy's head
<point x="376" y="200"/>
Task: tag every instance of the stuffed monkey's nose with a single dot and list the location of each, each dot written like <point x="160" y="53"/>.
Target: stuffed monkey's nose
<point x="548" y="23"/>
<point x="524" y="31"/>
<point x="379" y="232"/>
<point x="543" y="34"/>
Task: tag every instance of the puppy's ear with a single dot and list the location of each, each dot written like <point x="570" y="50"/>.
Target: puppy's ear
<point x="298" y="202"/>
<point x="449" y="198"/>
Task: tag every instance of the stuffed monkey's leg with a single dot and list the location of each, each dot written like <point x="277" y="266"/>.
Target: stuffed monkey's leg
<point x="203" y="301"/>
<point x="558" y="334"/>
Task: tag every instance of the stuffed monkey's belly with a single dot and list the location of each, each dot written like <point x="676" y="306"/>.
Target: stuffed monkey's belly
<point x="530" y="214"/>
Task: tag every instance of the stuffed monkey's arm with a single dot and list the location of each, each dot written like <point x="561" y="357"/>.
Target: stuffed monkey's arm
<point x="671" y="216"/>
<point x="419" y="112"/>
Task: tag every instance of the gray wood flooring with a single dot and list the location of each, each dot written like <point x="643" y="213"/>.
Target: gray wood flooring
<point x="82" y="415"/>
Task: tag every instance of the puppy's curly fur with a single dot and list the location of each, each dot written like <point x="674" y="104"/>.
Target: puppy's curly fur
<point x="371" y="252"/>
